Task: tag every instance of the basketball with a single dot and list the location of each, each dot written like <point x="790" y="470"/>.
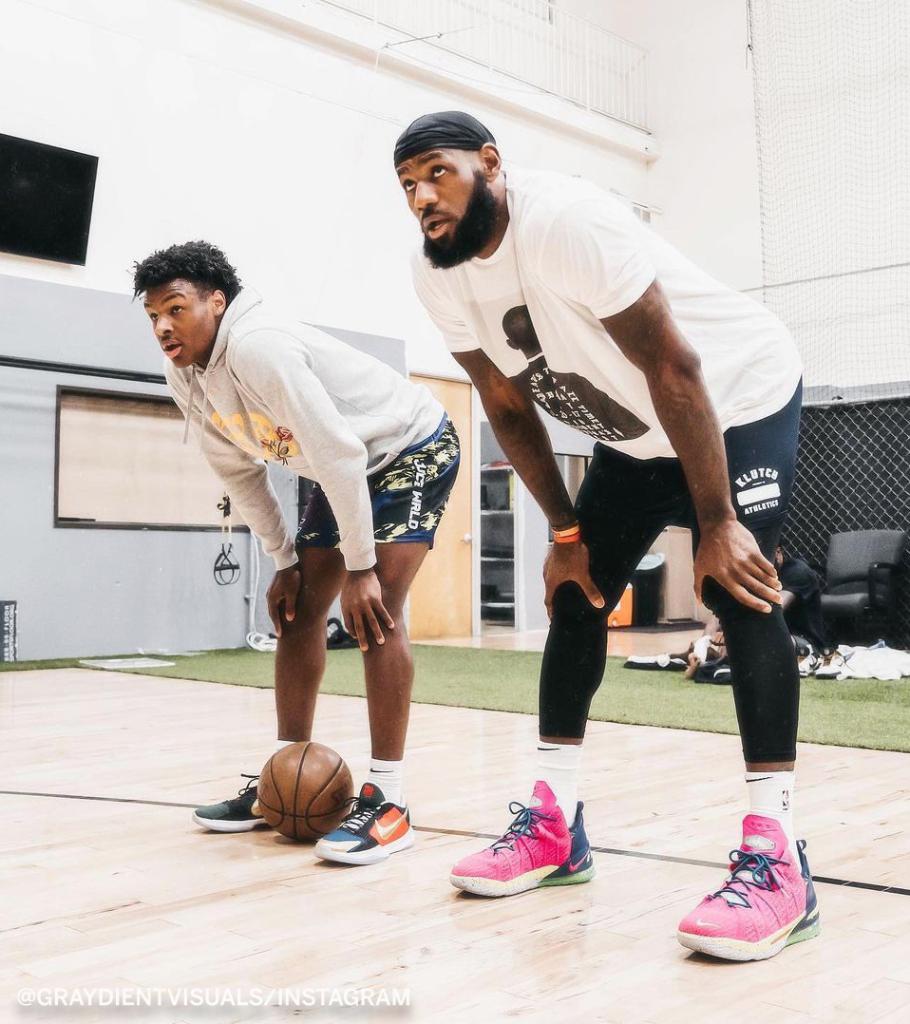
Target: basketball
<point x="305" y="790"/>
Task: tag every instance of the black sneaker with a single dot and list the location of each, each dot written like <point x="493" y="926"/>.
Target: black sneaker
<point x="375" y="829"/>
<point x="237" y="815"/>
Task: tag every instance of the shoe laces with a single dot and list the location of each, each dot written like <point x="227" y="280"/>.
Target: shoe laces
<point x="751" y="870"/>
<point x="523" y="825"/>
<point x="253" y="779"/>
<point x="359" y="815"/>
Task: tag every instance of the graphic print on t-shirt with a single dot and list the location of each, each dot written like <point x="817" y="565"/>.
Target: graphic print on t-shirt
<point x="568" y="397"/>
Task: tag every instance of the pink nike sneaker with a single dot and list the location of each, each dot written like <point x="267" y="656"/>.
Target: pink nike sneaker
<point x="538" y="849"/>
<point x="767" y="902"/>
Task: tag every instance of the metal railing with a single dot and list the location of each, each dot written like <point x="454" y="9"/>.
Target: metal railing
<point x="532" y="41"/>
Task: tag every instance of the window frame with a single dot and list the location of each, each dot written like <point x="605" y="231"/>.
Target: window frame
<point x="83" y="524"/>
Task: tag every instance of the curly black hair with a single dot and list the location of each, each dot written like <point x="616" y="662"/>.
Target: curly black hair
<point x="202" y="263"/>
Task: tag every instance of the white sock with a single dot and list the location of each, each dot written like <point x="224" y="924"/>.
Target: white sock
<point x="771" y="796"/>
<point x="389" y="777"/>
<point x="557" y="766"/>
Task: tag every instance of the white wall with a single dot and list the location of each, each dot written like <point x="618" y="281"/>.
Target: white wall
<point x="627" y="18"/>
<point x="706" y="181"/>
<point x="210" y="125"/>
<point x="700" y="108"/>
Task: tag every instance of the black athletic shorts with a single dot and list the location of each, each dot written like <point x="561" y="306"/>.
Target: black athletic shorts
<point x="408" y="497"/>
<point x="624" y="503"/>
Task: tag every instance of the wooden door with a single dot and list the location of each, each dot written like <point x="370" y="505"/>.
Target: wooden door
<point x="440" y="604"/>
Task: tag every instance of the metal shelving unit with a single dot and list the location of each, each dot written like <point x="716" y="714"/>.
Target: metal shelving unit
<point x="497" y="544"/>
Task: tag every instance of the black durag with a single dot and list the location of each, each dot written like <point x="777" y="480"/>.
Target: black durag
<point x="448" y="129"/>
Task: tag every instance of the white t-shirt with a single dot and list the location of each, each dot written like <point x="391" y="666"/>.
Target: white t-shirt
<point x="572" y="255"/>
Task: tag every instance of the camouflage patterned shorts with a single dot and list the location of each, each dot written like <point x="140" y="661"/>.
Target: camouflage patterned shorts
<point x="408" y="496"/>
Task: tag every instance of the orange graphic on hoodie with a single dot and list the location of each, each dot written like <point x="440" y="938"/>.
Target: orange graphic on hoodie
<point x="259" y="437"/>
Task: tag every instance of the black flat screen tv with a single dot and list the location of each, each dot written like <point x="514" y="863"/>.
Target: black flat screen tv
<point x="46" y="196"/>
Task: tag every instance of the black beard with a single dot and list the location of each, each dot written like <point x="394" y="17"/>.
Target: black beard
<point x="472" y="233"/>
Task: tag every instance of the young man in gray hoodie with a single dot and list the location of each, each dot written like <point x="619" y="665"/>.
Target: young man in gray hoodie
<point x="384" y="457"/>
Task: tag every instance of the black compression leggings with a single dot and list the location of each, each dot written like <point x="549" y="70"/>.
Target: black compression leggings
<point x="622" y="506"/>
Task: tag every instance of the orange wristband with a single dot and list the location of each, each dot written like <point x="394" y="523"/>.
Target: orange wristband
<point x="571" y="535"/>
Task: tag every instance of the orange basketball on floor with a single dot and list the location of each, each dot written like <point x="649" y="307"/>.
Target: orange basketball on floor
<point x="305" y="790"/>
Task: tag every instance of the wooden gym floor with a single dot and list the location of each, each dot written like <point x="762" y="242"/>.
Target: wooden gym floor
<point x="106" y="881"/>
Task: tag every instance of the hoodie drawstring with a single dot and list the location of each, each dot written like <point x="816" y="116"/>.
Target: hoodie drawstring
<point x="189" y="405"/>
<point x="205" y="402"/>
<point x="189" y="409"/>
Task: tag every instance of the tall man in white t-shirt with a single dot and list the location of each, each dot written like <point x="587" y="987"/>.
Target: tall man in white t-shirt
<point x="550" y="293"/>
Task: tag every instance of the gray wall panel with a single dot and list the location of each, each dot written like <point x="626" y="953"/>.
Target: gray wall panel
<point x="94" y="591"/>
<point x="388" y="350"/>
<point x="97" y="591"/>
<point x="43" y="320"/>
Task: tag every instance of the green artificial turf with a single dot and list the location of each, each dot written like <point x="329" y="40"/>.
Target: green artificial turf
<point x="855" y="713"/>
<point x="25" y="666"/>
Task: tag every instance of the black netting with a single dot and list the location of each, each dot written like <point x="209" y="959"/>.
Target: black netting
<point x="853" y="473"/>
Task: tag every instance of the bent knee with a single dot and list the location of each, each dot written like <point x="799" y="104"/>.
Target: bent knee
<point x="571" y="607"/>
<point x="306" y="621"/>
<point x="726" y="607"/>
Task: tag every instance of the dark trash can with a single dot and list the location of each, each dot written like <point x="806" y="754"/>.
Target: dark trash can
<point x="647" y="581"/>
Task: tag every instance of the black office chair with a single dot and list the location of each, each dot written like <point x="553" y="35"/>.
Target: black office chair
<point x="861" y="573"/>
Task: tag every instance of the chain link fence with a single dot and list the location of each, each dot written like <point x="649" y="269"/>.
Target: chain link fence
<point x="853" y="473"/>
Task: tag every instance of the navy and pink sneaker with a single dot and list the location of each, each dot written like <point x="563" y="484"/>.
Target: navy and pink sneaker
<point x="538" y="849"/>
<point x="767" y="902"/>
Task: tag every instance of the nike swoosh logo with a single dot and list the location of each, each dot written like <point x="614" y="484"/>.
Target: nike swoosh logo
<point x="574" y="867"/>
<point x="387" y="830"/>
<point x="706" y="924"/>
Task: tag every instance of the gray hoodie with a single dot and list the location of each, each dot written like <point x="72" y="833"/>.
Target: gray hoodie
<point x="283" y="391"/>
